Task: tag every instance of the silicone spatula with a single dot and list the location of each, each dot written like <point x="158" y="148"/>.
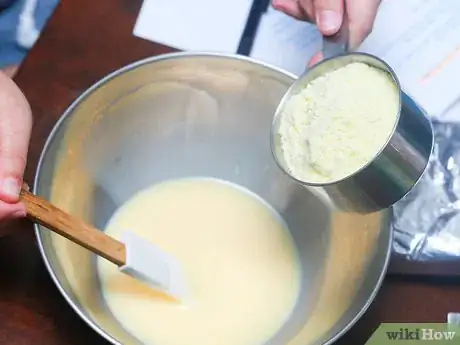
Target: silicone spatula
<point x="133" y="255"/>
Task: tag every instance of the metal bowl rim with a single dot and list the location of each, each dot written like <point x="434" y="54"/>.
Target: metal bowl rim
<point x="101" y="82"/>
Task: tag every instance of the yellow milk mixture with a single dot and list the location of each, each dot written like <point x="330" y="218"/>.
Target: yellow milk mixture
<point x="240" y="262"/>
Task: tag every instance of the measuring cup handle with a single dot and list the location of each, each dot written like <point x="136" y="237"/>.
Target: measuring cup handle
<point x="338" y="43"/>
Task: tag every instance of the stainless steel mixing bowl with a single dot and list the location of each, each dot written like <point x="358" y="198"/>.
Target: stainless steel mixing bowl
<point x="183" y="115"/>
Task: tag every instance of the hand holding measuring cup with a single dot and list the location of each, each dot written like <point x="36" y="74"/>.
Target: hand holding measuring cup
<point x="328" y="16"/>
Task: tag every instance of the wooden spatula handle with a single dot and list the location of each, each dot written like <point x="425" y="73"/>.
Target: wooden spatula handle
<point x="44" y="213"/>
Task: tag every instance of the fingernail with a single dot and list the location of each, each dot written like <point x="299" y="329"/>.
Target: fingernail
<point x="328" y="21"/>
<point x="11" y="187"/>
<point x="19" y="214"/>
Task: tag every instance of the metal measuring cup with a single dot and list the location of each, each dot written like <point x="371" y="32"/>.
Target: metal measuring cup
<point x="399" y="164"/>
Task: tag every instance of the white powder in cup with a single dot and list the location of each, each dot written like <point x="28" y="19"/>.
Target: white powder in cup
<point x="338" y="123"/>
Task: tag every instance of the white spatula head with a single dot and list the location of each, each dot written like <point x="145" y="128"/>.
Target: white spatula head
<point x="150" y="264"/>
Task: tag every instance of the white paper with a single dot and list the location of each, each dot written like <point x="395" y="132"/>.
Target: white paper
<point x="419" y="39"/>
<point x="284" y="42"/>
<point x="198" y="25"/>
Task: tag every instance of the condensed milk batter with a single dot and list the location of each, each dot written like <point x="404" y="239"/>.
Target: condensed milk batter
<point x="239" y="259"/>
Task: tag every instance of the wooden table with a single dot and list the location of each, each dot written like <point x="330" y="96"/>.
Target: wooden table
<point x="85" y="40"/>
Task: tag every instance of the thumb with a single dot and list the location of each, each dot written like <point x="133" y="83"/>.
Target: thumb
<point x="15" y="128"/>
<point x="329" y="15"/>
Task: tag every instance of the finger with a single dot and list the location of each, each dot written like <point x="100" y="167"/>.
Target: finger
<point x="15" y="127"/>
<point x="291" y="8"/>
<point x="11" y="211"/>
<point x="361" y="17"/>
<point x="328" y="15"/>
<point x="308" y="10"/>
<point x="315" y="59"/>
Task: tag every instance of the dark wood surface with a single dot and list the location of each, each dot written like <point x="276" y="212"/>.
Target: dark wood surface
<point x="85" y="40"/>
